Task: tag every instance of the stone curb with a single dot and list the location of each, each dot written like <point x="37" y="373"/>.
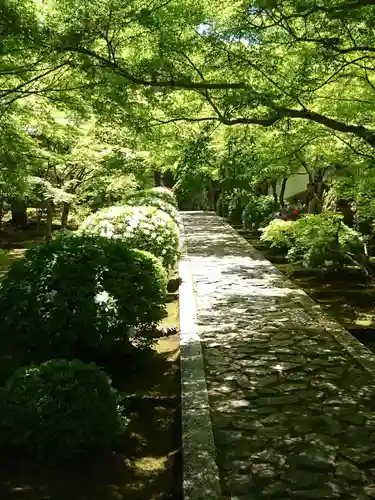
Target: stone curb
<point x="200" y="472"/>
<point x="350" y="344"/>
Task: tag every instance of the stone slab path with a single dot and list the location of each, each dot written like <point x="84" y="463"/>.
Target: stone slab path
<point x="291" y="393"/>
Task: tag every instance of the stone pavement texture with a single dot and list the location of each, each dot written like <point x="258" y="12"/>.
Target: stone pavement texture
<point x="291" y="393"/>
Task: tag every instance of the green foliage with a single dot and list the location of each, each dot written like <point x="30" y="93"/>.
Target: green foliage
<point x="222" y="205"/>
<point x="324" y="240"/>
<point x="106" y="190"/>
<point x="284" y="65"/>
<point x="233" y="202"/>
<point x="59" y="409"/>
<point x="3" y="256"/>
<point x="144" y="227"/>
<point x="363" y="202"/>
<point x="148" y="198"/>
<point x="194" y="171"/>
<point x="278" y="234"/>
<point x="78" y="214"/>
<point x="77" y="297"/>
<point x="258" y="211"/>
<point x="192" y="196"/>
<point x="41" y="190"/>
<point x="165" y="194"/>
<point x="321" y="240"/>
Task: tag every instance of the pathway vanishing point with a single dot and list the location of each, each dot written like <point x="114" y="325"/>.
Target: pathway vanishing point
<point x="291" y="394"/>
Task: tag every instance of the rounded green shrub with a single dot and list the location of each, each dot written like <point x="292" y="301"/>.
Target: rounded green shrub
<point x="77" y="293"/>
<point x="278" y="234"/>
<point x="59" y="409"/>
<point x="145" y="227"/>
<point x="258" y="211"/>
<point x="164" y="193"/>
<point x="139" y="199"/>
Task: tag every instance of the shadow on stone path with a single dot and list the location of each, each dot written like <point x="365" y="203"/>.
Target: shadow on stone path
<point x="291" y="393"/>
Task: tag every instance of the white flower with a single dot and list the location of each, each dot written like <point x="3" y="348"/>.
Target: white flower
<point x="101" y="297"/>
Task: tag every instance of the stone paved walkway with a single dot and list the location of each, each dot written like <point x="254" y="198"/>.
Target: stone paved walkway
<point x="291" y="393"/>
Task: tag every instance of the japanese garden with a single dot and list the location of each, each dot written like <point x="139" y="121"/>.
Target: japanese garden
<point x="187" y="249"/>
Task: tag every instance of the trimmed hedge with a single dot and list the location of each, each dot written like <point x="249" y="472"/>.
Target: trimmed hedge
<point x="59" y="409"/>
<point x="145" y="227"/>
<point x="77" y="293"/>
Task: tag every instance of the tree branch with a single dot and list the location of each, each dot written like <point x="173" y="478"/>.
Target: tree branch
<point x="4" y="93"/>
<point x="368" y="135"/>
<point x="342" y="7"/>
<point x="182" y="84"/>
<point x="350" y="146"/>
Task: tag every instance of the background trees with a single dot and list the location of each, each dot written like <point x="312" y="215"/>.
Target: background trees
<point x="99" y="97"/>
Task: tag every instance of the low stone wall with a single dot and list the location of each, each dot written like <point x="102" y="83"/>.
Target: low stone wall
<point x="200" y="472"/>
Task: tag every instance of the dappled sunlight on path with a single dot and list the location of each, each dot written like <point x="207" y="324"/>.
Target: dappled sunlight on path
<point x="291" y="393"/>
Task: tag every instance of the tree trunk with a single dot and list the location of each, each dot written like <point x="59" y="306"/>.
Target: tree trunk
<point x="211" y="195"/>
<point x="1" y="212"/>
<point x="19" y="214"/>
<point x="313" y="206"/>
<point x="274" y="192"/>
<point x="217" y="193"/>
<point x="49" y="221"/>
<point x="282" y="192"/>
<point x="65" y="214"/>
<point x="157" y="178"/>
<point x="39" y="216"/>
<point x="168" y="179"/>
<point x="316" y="190"/>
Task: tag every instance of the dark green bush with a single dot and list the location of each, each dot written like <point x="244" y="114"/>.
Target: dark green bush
<point x="77" y="293"/>
<point x="258" y="211"/>
<point x="58" y="409"/>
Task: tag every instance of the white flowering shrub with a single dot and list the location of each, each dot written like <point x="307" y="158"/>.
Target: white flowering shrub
<point x="144" y="198"/>
<point x="164" y="193"/>
<point x="144" y="227"/>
